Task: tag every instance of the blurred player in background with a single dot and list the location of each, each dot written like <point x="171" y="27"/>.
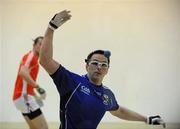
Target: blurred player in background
<point x="27" y="100"/>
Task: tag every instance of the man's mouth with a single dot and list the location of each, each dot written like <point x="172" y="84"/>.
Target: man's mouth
<point x="97" y="73"/>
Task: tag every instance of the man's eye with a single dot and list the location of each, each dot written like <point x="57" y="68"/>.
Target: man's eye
<point x="104" y="65"/>
<point x="94" y="63"/>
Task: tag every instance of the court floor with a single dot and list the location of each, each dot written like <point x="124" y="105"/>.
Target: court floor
<point x="6" y="125"/>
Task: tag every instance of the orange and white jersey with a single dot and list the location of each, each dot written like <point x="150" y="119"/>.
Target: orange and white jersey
<point x="29" y="60"/>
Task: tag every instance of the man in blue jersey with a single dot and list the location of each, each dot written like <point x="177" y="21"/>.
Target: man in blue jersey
<point x="84" y="99"/>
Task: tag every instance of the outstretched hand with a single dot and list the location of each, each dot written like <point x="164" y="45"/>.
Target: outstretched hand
<point x="59" y="19"/>
<point x="156" y="120"/>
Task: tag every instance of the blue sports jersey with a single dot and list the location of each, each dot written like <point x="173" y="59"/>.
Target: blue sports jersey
<point x="82" y="104"/>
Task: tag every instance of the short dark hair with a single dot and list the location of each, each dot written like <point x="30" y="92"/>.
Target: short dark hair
<point x="37" y="39"/>
<point x="106" y="53"/>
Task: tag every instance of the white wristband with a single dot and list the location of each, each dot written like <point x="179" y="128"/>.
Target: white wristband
<point x="51" y="27"/>
<point x="147" y="120"/>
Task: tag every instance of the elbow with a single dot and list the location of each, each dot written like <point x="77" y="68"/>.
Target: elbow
<point x="42" y="62"/>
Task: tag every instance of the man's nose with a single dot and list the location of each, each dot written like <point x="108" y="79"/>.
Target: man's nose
<point x="99" y="66"/>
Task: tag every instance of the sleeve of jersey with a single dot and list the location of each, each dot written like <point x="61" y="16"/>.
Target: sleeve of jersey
<point x="113" y="103"/>
<point x="64" y="80"/>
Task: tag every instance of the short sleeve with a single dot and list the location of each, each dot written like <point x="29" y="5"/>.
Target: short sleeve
<point x="113" y="105"/>
<point x="64" y="80"/>
<point x="29" y="60"/>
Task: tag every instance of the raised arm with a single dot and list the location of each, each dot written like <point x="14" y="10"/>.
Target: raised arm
<point x="46" y="53"/>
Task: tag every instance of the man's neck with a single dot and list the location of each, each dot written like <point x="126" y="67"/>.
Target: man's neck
<point x="34" y="51"/>
<point x="96" y="82"/>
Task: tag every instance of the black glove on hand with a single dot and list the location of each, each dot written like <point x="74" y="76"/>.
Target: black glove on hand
<point x="156" y="120"/>
<point x="59" y="19"/>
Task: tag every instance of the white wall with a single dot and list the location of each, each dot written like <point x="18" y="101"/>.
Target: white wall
<point x="0" y="59"/>
<point x="142" y="35"/>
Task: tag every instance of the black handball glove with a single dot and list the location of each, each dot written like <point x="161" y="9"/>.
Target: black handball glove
<point x="156" y="120"/>
<point x="59" y="19"/>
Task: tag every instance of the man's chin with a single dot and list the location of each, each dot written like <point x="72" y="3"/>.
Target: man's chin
<point x="97" y="76"/>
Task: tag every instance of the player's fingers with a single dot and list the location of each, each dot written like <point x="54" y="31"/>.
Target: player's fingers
<point x="68" y="11"/>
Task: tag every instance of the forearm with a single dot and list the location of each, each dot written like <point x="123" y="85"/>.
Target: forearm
<point x="127" y="114"/>
<point x="46" y="53"/>
<point x="24" y="73"/>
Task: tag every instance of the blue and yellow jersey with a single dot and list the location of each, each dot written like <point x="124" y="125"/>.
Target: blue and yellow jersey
<point x="82" y="104"/>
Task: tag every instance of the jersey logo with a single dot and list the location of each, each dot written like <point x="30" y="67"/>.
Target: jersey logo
<point x="85" y="90"/>
<point x="105" y="99"/>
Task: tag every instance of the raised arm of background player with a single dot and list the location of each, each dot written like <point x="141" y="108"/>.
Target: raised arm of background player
<point x="46" y="53"/>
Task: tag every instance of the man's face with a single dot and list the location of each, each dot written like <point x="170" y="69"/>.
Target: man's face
<point x="97" y="67"/>
<point x="37" y="46"/>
